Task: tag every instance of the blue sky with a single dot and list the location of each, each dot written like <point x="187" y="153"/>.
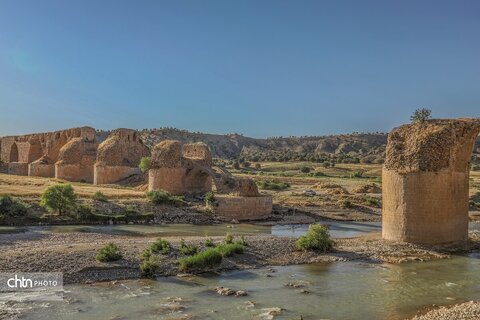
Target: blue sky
<point x="261" y="68"/>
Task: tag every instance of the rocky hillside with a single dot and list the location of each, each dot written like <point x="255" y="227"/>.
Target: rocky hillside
<point x="363" y="147"/>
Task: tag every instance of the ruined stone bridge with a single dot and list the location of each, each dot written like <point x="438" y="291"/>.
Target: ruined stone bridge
<point x="79" y="154"/>
<point x="425" y="181"/>
<point x="75" y="154"/>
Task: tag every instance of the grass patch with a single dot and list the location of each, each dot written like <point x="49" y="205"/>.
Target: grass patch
<point x="272" y="185"/>
<point x="163" y="197"/>
<point x="149" y="266"/>
<point x="111" y="252"/>
<point x="227" y="250"/>
<point x="209" y="243"/>
<point x="316" y="239"/>
<point x="207" y="259"/>
<point x="100" y="196"/>
<point x="187" y="249"/>
<point x="161" y="246"/>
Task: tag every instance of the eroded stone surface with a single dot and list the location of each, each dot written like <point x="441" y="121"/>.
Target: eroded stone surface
<point x="425" y="181"/>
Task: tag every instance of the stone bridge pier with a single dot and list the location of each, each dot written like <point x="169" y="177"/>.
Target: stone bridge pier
<point x="425" y="181"/>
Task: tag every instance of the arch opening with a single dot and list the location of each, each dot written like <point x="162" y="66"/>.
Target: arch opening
<point x="13" y="153"/>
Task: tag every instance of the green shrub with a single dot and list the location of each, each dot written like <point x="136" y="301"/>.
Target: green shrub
<point x="146" y="254"/>
<point x="372" y="202"/>
<point x="163" y="197"/>
<point x="271" y="185"/>
<point x="109" y="253"/>
<point x="227" y="250"/>
<point x="316" y="239"/>
<point x="242" y="241"/>
<point x="207" y="259"/>
<point x="161" y="246"/>
<point x="145" y="164"/>
<point x="346" y="204"/>
<point x="59" y="198"/>
<point x="12" y="208"/>
<point x="228" y="238"/>
<point x="99" y="196"/>
<point x="305" y="169"/>
<point x="356" y="174"/>
<point x="83" y="212"/>
<point x="187" y="249"/>
<point x="149" y="266"/>
<point x="421" y="115"/>
<point x="317" y="174"/>
<point x="209" y="243"/>
<point x="475" y="167"/>
<point x="209" y="198"/>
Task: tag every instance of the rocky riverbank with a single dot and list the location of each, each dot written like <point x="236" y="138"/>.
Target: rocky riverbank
<point x="463" y="311"/>
<point x="74" y="253"/>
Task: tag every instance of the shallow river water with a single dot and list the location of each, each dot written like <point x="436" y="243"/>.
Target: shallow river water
<point x="337" y="229"/>
<point x="342" y="290"/>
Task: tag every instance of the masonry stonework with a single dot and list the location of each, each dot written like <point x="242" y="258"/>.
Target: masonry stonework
<point x="118" y="157"/>
<point x="425" y="181"/>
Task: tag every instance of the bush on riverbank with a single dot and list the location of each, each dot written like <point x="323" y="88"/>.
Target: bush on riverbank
<point x="149" y="266"/>
<point x="207" y="259"/>
<point x="316" y="239"/>
<point x="59" y="198"/>
<point x="161" y="246"/>
<point x="163" y="197"/>
<point x="111" y="252"/>
<point x="227" y="250"/>
<point x="187" y="249"/>
<point x="100" y="196"/>
<point x="12" y="208"/>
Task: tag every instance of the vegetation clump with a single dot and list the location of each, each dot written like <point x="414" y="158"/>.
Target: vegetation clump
<point x="12" y="208"/>
<point x="149" y="266"/>
<point x="227" y="250"/>
<point x="209" y="198"/>
<point x="305" y="169"/>
<point x="145" y="164"/>
<point x="316" y="239"/>
<point x="100" y="196"/>
<point x="346" y="204"/>
<point x="207" y="259"/>
<point x="161" y="246"/>
<point x="421" y="115"/>
<point x="163" y="197"/>
<point x="111" y="252"/>
<point x="59" y="198"/>
<point x="272" y="185"/>
<point x="187" y="249"/>
<point x="209" y="243"/>
<point x="228" y="238"/>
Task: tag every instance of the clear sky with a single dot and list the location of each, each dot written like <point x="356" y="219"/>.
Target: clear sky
<point x="261" y="68"/>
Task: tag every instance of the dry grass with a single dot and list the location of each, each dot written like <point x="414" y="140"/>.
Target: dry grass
<point x="23" y="186"/>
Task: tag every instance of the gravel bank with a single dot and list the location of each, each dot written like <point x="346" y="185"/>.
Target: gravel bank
<point x="74" y="254"/>
<point x="464" y="311"/>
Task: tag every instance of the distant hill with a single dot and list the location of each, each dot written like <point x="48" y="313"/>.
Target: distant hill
<point x="363" y="147"/>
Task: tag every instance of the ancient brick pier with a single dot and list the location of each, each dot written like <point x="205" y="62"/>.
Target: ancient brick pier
<point x="425" y="181"/>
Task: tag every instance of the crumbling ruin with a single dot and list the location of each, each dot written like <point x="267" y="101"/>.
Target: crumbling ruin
<point x="73" y="155"/>
<point x="425" y="181"/>
<point x="188" y="169"/>
<point x="36" y="154"/>
<point x="118" y="157"/>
